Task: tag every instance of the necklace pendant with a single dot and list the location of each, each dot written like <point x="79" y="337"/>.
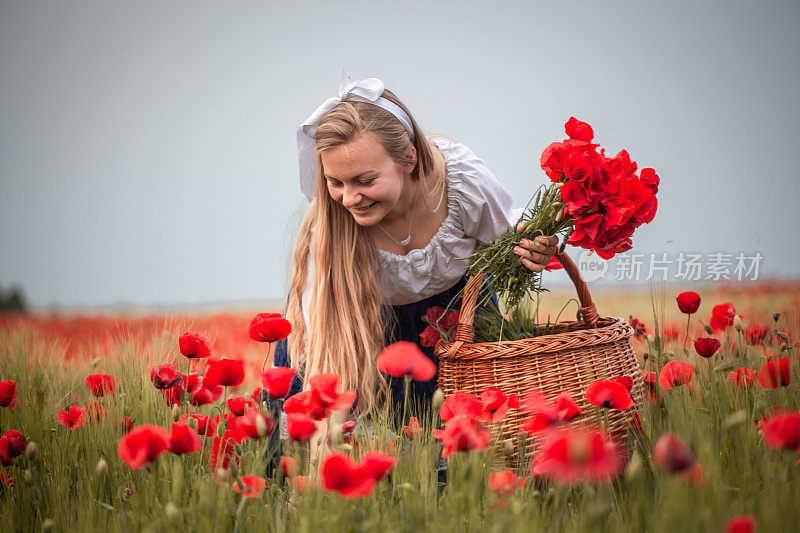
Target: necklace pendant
<point x="406" y="240"/>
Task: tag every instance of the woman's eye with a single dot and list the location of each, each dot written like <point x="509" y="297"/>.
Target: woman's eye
<point x="368" y="182"/>
<point x="333" y="183"/>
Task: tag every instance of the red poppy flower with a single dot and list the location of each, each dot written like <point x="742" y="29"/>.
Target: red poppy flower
<point x="123" y="424"/>
<point x="722" y="316"/>
<point x="207" y="394"/>
<point x="14" y="443"/>
<point x="439" y="319"/>
<point x="277" y="381"/>
<point x="756" y="334"/>
<point x="288" y="466"/>
<point x="269" y="327"/>
<point x="675" y="373"/>
<point x="462" y="433"/>
<point x="554" y="264"/>
<point x="205" y="424"/>
<point x="688" y="302"/>
<point x="194" y="345"/>
<point x="255" y="424"/>
<point x="406" y="359"/>
<point x="460" y="403"/>
<point x="495" y="404"/>
<point x="649" y="379"/>
<point x="305" y="402"/>
<point x="544" y="414"/>
<point x="165" y="376"/>
<point x="240" y="405"/>
<point x="5" y="459"/>
<point x="672" y="455"/>
<point x="302" y="483"/>
<point x="5" y="480"/>
<point x="8" y="393"/>
<point x="72" y="418"/>
<point x="671" y="332"/>
<point x="339" y="473"/>
<point x="429" y="337"/>
<point x="609" y="394"/>
<point x="413" y="430"/>
<point x="183" y="439"/>
<point x="324" y="390"/>
<point x="191" y="382"/>
<point x="251" y="486"/>
<point x="570" y="457"/>
<point x="506" y="482"/>
<point x="775" y="374"/>
<point x="743" y="377"/>
<point x="225" y="372"/>
<point x="143" y="445"/>
<point x="741" y="524"/>
<point x="783" y="431"/>
<point x="376" y="464"/>
<point x="576" y="129"/>
<point x="706" y="346"/>
<point x="639" y="328"/>
<point x="223" y="450"/>
<point x="300" y="426"/>
<point x="101" y="384"/>
<point x="94" y="411"/>
<point x="625" y="381"/>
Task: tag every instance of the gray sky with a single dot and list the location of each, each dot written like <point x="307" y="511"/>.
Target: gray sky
<point x="147" y="149"/>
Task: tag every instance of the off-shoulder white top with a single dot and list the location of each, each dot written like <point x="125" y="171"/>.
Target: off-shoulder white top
<point x="478" y="210"/>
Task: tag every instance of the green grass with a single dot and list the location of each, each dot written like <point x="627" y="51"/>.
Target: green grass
<point x="61" y="482"/>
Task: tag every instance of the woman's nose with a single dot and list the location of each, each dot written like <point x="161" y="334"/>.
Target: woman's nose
<point x="351" y="197"/>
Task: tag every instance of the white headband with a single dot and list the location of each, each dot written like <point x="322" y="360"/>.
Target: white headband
<point x="368" y="90"/>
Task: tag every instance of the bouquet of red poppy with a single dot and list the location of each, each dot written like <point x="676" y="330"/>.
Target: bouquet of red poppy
<point x="593" y="201"/>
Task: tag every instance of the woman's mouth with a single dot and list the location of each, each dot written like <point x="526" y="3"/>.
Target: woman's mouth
<point x="364" y="209"/>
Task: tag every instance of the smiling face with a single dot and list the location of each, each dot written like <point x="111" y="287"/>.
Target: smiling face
<point x="362" y="176"/>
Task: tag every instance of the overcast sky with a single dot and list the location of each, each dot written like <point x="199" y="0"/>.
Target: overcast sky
<point x="147" y="149"/>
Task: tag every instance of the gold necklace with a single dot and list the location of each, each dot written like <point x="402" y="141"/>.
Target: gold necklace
<point x="407" y="240"/>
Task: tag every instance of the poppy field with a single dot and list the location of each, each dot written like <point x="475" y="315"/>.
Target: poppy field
<point x="159" y="423"/>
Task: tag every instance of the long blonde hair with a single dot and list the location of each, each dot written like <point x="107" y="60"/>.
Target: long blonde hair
<point x="345" y="330"/>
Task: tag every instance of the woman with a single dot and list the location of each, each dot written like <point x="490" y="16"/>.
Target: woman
<point x="390" y="211"/>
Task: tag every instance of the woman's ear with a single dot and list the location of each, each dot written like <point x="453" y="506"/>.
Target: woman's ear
<point x="410" y="159"/>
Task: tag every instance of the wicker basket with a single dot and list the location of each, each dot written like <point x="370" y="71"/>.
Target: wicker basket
<point x="582" y="352"/>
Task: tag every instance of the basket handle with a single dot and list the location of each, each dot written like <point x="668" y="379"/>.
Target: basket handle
<point x="466" y="334"/>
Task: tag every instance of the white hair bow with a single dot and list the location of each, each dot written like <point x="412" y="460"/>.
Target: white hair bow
<point x="368" y="90"/>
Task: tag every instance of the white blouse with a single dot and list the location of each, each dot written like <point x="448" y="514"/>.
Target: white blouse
<point x="479" y="209"/>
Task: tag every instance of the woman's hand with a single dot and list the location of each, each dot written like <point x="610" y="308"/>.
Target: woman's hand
<point x="537" y="253"/>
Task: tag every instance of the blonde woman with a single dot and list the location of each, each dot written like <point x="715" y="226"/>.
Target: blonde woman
<point x="390" y="211"/>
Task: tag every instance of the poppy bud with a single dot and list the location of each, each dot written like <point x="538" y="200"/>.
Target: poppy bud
<point x="221" y="428"/>
<point x="172" y="513"/>
<point x="27" y="476"/>
<point x="709" y="329"/>
<point x="127" y="494"/>
<point x="192" y="422"/>
<point x="438" y="398"/>
<point x="776" y="317"/>
<point x="646" y="356"/>
<point x="559" y="216"/>
<point x="223" y="475"/>
<point x="176" y="412"/>
<point x="30" y="451"/>
<point x="346" y="447"/>
<point x="95" y="362"/>
<point x="238" y="449"/>
<point x="737" y="323"/>
<point x="48" y="525"/>
<point x="233" y="469"/>
<point x="508" y="448"/>
<point x="101" y="467"/>
<point x="781" y="335"/>
<point x="634" y="467"/>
